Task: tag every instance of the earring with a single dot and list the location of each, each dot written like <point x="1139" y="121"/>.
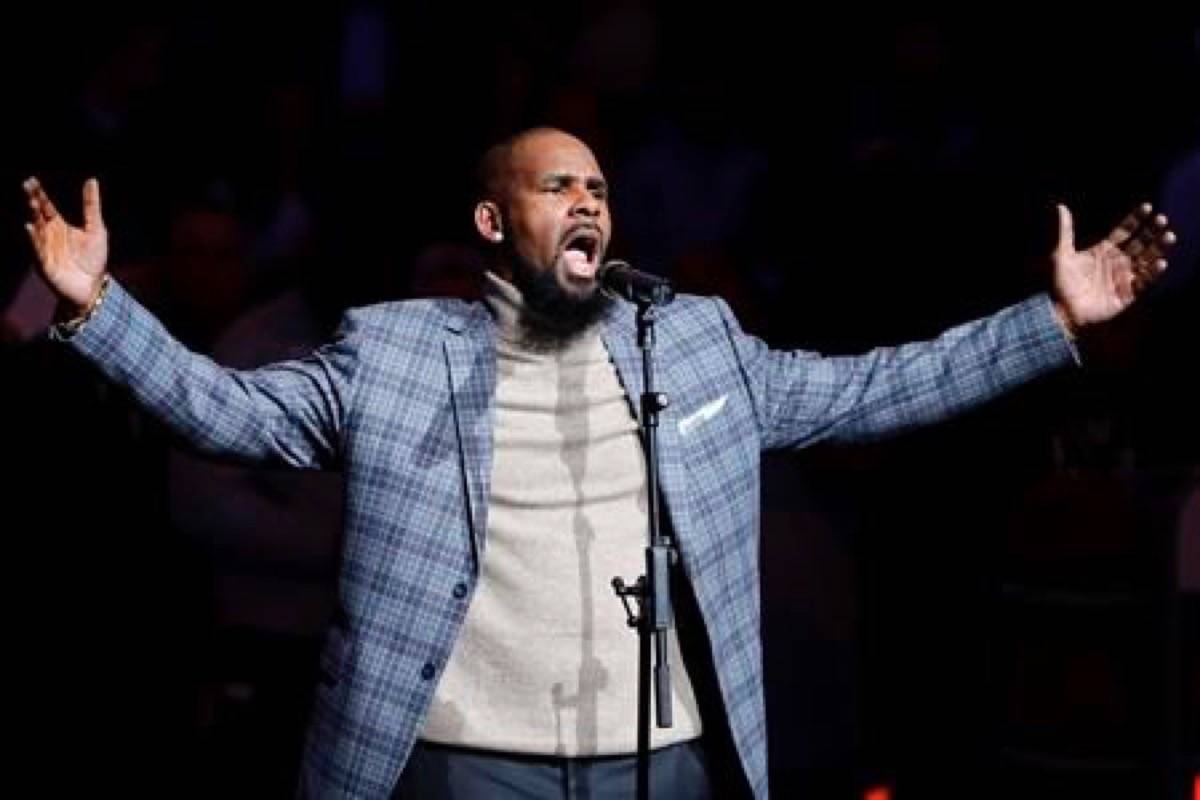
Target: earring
<point x="497" y="236"/>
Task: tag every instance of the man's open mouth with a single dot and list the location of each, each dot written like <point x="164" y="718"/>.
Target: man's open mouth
<point x="581" y="251"/>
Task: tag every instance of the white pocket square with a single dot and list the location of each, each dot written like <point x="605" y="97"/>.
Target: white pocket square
<point x="703" y="414"/>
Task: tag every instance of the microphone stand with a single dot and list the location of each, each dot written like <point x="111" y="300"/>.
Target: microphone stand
<point x="652" y="591"/>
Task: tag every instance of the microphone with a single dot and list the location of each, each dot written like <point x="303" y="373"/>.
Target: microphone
<point x="636" y="287"/>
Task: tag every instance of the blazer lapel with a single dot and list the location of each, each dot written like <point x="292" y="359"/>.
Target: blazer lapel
<point x="620" y="337"/>
<point x="471" y="368"/>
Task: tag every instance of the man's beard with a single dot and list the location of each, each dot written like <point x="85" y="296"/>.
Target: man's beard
<point x="551" y="316"/>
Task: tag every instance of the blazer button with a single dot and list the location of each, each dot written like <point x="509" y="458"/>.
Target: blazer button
<point x="460" y="590"/>
<point x="427" y="671"/>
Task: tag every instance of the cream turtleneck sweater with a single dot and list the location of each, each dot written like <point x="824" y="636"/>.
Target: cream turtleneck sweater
<point x="545" y="662"/>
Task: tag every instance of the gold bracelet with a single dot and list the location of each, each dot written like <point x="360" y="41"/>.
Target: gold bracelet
<point x="72" y="326"/>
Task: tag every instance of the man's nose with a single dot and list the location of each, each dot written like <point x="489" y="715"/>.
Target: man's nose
<point x="585" y="204"/>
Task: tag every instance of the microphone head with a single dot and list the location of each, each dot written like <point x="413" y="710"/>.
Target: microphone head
<point x="618" y="278"/>
<point x="608" y="277"/>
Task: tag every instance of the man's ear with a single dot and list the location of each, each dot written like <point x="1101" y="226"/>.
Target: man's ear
<point x="488" y="221"/>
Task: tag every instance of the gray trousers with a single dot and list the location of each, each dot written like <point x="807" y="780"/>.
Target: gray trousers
<point x="441" y="772"/>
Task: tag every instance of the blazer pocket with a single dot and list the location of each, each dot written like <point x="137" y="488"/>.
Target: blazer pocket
<point x="701" y="415"/>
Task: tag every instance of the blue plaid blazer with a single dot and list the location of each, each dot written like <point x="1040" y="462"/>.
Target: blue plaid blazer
<point x="402" y="402"/>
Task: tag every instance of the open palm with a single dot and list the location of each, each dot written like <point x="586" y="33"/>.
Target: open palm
<point x="1096" y="284"/>
<point x="71" y="259"/>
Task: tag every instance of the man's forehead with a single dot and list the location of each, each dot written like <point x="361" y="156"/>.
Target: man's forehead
<point x="554" y="153"/>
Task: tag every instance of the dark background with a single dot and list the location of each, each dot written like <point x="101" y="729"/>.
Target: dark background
<point x="1001" y="606"/>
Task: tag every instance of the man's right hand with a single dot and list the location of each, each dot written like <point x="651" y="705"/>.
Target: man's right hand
<point x="72" y="260"/>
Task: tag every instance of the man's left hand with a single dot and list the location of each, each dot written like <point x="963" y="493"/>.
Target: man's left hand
<point x="1094" y="285"/>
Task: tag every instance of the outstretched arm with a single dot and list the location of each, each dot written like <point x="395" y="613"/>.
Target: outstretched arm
<point x="290" y="413"/>
<point x="805" y="397"/>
